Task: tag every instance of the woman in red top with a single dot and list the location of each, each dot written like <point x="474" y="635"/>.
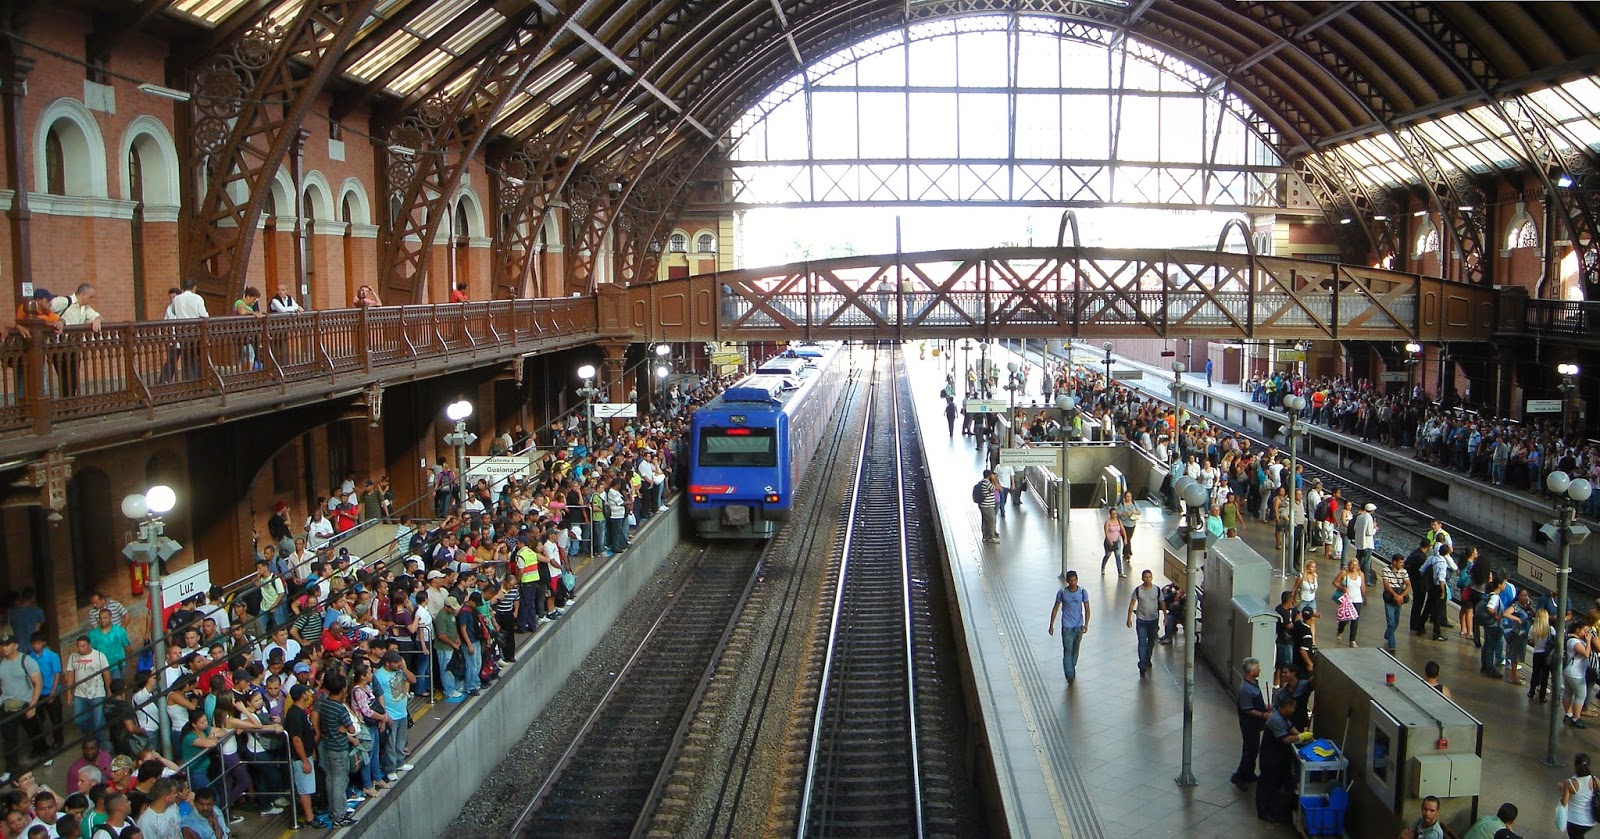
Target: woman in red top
<point x="459" y="295"/>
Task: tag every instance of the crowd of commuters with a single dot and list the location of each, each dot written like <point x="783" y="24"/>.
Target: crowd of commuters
<point x="294" y="689"/>
<point x="1421" y="588"/>
<point x="1498" y="451"/>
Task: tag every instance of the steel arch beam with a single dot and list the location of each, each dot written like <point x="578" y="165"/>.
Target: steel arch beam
<point x="439" y="139"/>
<point x="247" y="108"/>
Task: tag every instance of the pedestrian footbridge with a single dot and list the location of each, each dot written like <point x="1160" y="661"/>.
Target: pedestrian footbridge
<point x="1053" y="291"/>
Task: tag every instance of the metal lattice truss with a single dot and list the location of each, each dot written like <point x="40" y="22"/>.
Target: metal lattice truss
<point x="1008" y="182"/>
<point x="1076" y="292"/>
<point x="247" y="106"/>
<point x="1363" y="102"/>
<point x="433" y="145"/>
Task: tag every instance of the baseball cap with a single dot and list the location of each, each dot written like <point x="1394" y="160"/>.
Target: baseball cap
<point x="452" y="603"/>
<point x="1308" y="612"/>
<point x="302" y="667"/>
<point x="435" y="574"/>
<point x="122" y="763"/>
<point x="1371" y="507"/>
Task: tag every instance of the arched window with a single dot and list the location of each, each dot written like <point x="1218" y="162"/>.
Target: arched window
<point x="55" y="164"/>
<point x="705" y="243"/>
<point x="679" y="243"/>
<point x="1524" y="235"/>
<point x="1428" y="241"/>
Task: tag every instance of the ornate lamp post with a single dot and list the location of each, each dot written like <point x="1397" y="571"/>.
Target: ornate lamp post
<point x="152" y="548"/>
<point x="1568" y="372"/>
<point x="1570" y="493"/>
<point x="1194" y="495"/>
<point x="588" y="392"/>
<point x="1293" y="404"/>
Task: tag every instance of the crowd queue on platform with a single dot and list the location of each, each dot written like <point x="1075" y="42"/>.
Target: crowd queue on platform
<point x="296" y="688"/>
<point x="1500" y="451"/>
<point x="1426" y="584"/>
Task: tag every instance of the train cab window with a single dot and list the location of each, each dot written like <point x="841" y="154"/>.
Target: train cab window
<point x="738" y="447"/>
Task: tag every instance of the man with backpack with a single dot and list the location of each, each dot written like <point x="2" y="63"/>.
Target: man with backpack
<point x="985" y="495"/>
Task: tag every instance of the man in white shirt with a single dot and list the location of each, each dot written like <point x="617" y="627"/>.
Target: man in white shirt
<point x="283" y="303"/>
<point x="319" y="530"/>
<point x="188" y="305"/>
<point x="184" y="357"/>
<point x="77" y="309"/>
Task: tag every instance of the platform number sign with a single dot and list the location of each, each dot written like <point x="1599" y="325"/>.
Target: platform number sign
<point x="738" y="418"/>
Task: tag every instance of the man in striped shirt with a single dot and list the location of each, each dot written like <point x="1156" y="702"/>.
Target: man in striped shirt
<point x="99" y="601"/>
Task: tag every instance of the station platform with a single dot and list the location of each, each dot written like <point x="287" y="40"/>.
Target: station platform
<point x="1099" y="758"/>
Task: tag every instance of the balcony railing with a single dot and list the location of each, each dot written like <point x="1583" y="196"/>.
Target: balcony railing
<point x="49" y="378"/>
<point x="1574" y="318"/>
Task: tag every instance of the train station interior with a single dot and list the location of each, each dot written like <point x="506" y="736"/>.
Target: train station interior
<point x="283" y="269"/>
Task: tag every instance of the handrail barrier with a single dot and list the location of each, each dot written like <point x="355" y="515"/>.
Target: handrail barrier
<point x="49" y="377"/>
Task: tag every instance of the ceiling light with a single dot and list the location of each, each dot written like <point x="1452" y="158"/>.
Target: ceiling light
<point x="1380" y="218"/>
<point x="1564" y="181"/>
<point x="1345" y="220"/>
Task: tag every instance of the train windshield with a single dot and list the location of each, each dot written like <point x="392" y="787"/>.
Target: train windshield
<point x="738" y="447"/>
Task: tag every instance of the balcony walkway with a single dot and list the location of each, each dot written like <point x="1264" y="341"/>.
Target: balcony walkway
<point x="138" y="379"/>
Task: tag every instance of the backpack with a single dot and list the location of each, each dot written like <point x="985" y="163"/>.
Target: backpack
<point x="1324" y="510"/>
<point x="1350" y="529"/>
<point x="977" y="493"/>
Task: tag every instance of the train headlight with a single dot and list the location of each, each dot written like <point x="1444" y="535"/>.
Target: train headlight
<point x="699" y="499"/>
<point x="772" y="498"/>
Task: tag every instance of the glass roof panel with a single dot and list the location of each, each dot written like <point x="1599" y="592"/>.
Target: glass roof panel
<point x="383" y="56"/>
<point x="420" y="70"/>
<point x="472" y="32"/>
<point x="210" y="11"/>
<point x="436" y="16"/>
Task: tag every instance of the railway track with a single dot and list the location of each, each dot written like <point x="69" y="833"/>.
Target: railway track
<point x="602" y="782"/>
<point x="863" y="770"/>
<point x="613" y="777"/>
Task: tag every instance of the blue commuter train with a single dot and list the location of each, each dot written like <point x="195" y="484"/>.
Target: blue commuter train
<point x="749" y="448"/>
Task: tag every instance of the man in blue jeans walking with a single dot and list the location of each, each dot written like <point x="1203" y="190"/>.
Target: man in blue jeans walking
<point x="1072" y="605"/>
<point x="1145" y="604"/>
<point x="1396" y="588"/>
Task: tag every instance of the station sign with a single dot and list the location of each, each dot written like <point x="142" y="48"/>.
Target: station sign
<point x="1127" y="375"/>
<point x="1031" y="457"/>
<point x="726" y="358"/>
<point x="1544" y="406"/>
<point x="986" y="406"/>
<point x="183" y="584"/>
<point x="1291" y="355"/>
<point x="1397" y="376"/>
<point x="1537" y="570"/>
<point x="614" y="410"/>
<point x="496" y="470"/>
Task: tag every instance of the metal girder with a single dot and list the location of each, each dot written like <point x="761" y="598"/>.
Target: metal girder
<point x="626" y="170"/>
<point x="247" y="107"/>
<point x="442" y="135"/>
<point x="1538" y="151"/>
<point x="666" y="195"/>
<point x="1469" y="62"/>
<point x="544" y="165"/>
<point x="1460" y="200"/>
<point x="1576" y="203"/>
<point x="1333" y="193"/>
